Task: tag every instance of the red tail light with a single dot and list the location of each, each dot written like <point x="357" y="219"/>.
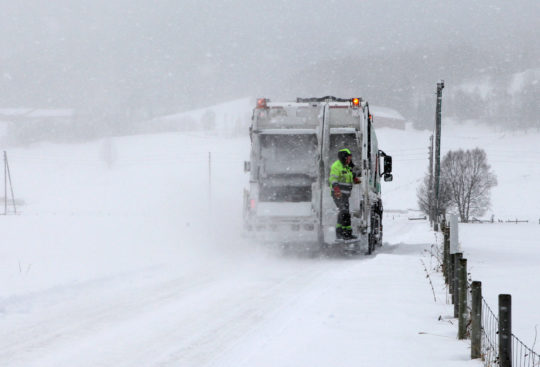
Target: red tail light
<point x="261" y="103"/>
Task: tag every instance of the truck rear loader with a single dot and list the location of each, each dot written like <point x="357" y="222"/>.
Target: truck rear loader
<point x="293" y="145"/>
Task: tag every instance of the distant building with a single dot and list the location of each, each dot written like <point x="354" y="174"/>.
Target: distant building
<point x="387" y="117"/>
<point x="31" y="124"/>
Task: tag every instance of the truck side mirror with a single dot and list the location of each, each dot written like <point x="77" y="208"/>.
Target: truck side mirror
<point x="247" y="166"/>
<point x="387" y="165"/>
<point x="388" y="177"/>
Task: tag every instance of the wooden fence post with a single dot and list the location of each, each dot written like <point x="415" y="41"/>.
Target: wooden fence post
<point x="462" y="297"/>
<point x="476" y="320"/>
<point x="455" y="280"/>
<point x="505" y="330"/>
<point x="446" y="255"/>
<point x="454" y="248"/>
<point x="444" y="268"/>
<point x="451" y="265"/>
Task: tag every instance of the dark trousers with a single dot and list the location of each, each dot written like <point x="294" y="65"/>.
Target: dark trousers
<point x="343" y="224"/>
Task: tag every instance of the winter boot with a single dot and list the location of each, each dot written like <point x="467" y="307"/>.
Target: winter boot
<point x="347" y="234"/>
<point x="339" y="233"/>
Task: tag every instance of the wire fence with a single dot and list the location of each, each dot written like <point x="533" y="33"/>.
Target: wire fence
<point x="490" y="332"/>
<point x="520" y="355"/>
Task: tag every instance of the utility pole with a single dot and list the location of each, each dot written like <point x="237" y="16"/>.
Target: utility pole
<point x="440" y="86"/>
<point x="5" y="183"/>
<point x="209" y="183"/>
<point x="430" y="189"/>
<point x="7" y="180"/>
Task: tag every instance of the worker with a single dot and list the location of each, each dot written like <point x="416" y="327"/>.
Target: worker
<point x="341" y="182"/>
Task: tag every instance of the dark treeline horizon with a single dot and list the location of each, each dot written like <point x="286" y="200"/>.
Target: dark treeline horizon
<point x="141" y="59"/>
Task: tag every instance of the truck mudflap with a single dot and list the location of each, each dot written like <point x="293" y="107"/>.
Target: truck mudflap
<point x="357" y="246"/>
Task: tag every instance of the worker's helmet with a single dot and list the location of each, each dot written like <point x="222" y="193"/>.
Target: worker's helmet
<point x="343" y="154"/>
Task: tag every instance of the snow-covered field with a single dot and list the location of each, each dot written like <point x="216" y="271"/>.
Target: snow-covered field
<point x="504" y="256"/>
<point x="122" y="255"/>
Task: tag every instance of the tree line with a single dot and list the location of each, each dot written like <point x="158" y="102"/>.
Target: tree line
<point x="500" y="106"/>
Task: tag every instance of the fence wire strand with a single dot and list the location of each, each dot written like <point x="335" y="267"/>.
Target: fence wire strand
<point x="490" y="333"/>
<point x="522" y="355"/>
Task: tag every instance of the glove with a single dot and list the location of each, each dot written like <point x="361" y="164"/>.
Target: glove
<point x="337" y="192"/>
<point x="357" y="180"/>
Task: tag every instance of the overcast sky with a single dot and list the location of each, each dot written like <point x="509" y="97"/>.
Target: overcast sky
<point x="69" y="52"/>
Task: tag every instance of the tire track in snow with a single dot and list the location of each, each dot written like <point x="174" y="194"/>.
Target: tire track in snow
<point x="85" y="315"/>
<point x="195" y="319"/>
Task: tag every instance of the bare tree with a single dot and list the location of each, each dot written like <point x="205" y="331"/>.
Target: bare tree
<point x="426" y="196"/>
<point x="469" y="178"/>
<point x="108" y="152"/>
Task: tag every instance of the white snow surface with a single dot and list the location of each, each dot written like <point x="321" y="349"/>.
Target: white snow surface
<point x="136" y="260"/>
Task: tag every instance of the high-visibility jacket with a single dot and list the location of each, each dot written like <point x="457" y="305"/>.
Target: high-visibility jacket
<point x="342" y="176"/>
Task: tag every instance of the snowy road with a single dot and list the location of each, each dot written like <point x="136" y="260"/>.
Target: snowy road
<point x="110" y="268"/>
<point x="272" y="310"/>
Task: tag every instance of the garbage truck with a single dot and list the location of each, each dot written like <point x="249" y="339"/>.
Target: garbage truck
<point x="293" y="145"/>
